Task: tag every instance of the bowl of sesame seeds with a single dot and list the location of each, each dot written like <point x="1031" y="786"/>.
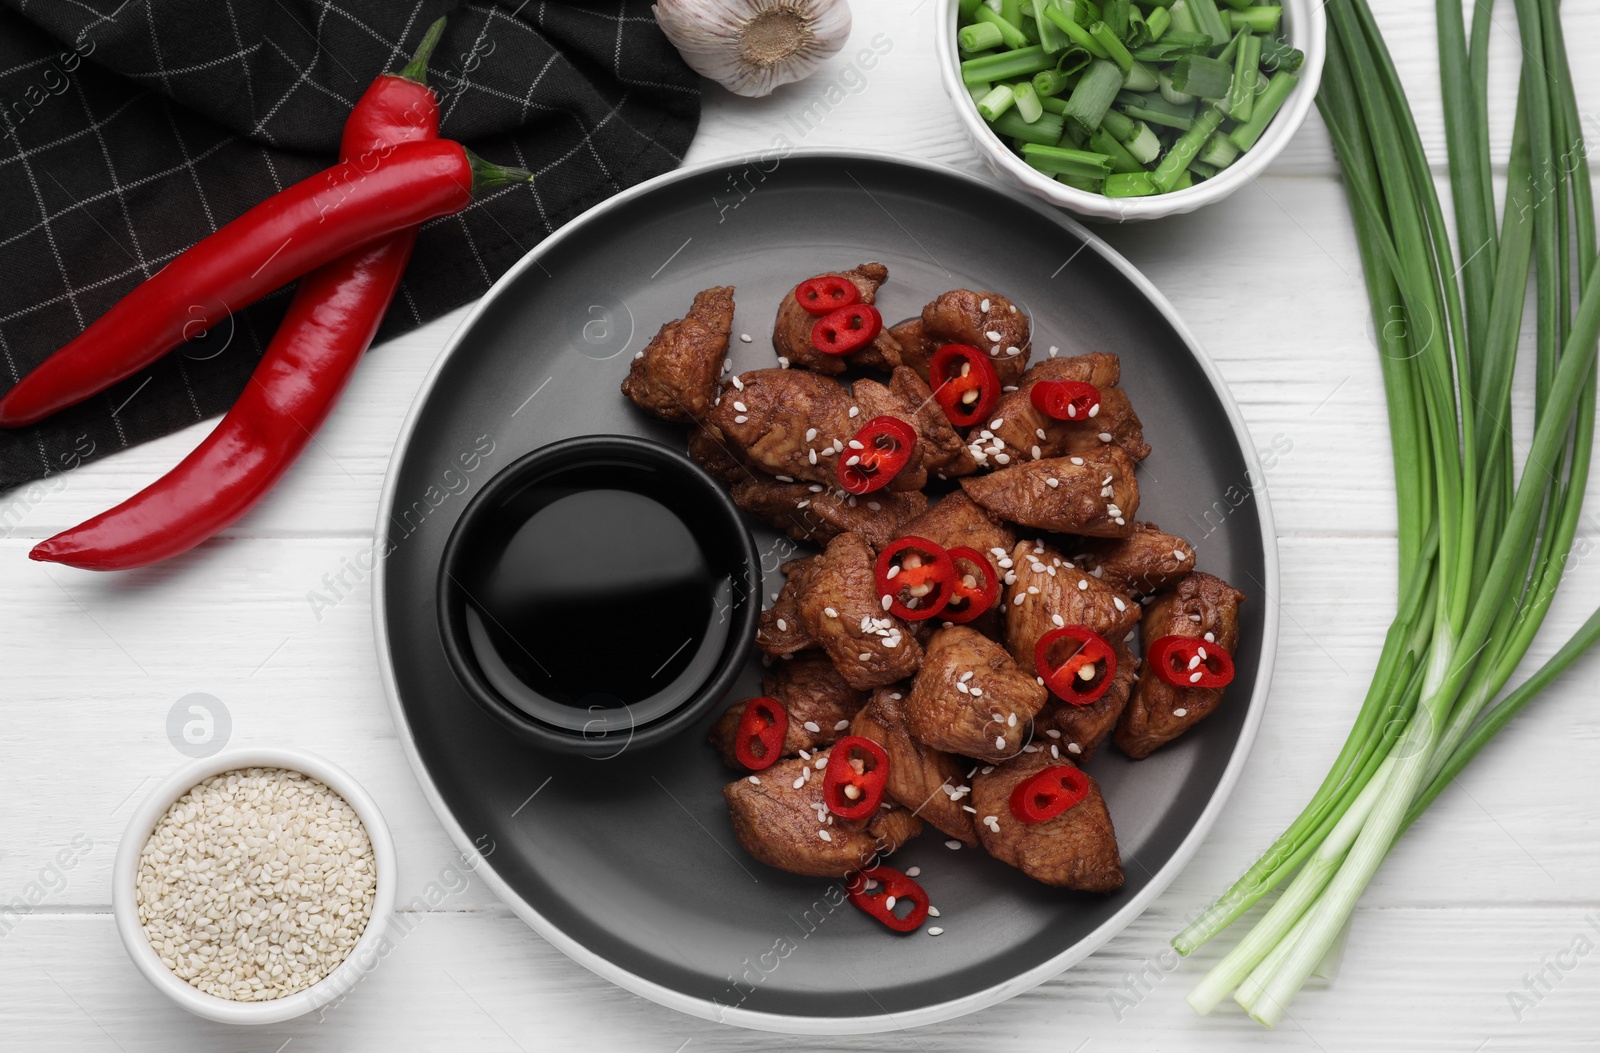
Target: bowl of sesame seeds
<point x="254" y="886"/>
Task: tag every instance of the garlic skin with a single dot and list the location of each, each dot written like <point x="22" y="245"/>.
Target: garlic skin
<point x="751" y="47"/>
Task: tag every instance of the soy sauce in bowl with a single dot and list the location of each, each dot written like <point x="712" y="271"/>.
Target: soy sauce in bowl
<point x="599" y="591"/>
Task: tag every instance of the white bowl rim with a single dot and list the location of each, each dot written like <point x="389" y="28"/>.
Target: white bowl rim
<point x="1310" y="23"/>
<point x="785" y="1023"/>
<point x="125" y="869"/>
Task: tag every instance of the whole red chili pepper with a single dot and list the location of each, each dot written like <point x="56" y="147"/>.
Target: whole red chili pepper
<point x="892" y="889"/>
<point x="764" y="723"/>
<point x="969" y="601"/>
<point x="852" y="793"/>
<point x="1065" y="399"/>
<point x="876" y="454"/>
<point x="1185" y="661"/>
<point x="295" y="231"/>
<point x="965" y="384"/>
<point x="1067" y="680"/>
<point x="847" y="330"/>
<point x="914" y="578"/>
<point x="330" y="322"/>
<point x="1049" y="793"/>
<point x="826" y="293"/>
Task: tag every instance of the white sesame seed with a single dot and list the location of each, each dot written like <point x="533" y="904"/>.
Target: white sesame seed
<point x="798" y="783"/>
<point x="969" y="808"/>
<point x="954" y="846"/>
<point x="992" y="335"/>
<point x="1194" y="678"/>
<point x="1105" y="436"/>
<point x="741" y="407"/>
<point x="830" y="612"/>
<point x="1210" y="638"/>
<point x="977" y="692"/>
<point x="727" y="364"/>
<point x="1053" y="733"/>
<point x="984" y="307"/>
<point x="1077" y="461"/>
<point x="787" y="479"/>
<point x="638" y="354"/>
<point x="826" y="837"/>
<point x="841" y="725"/>
<point x="999" y="742"/>
<point x="1003" y="458"/>
<point x="913" y="871"/>
<point x="865" y="656"/>
<point x="740" y="419"/>
<point x="1011" y="721"/>
<point x="855" y="411"/>
<point x="783" y="363"/>
<point x="963" y="688"/>
<point x="811" y="434"/>
<point x="1073" y="747"/>
<point x="783" y="625"/>
<point x="1118" y="601"/>
<point x="1180" y="712"/>
<point x="755" y="780"/>
<point x="1083" y="584"/>
<point x="934" y="930"/>
<point x="933" y="912"/>
<point x="812" y="726"/>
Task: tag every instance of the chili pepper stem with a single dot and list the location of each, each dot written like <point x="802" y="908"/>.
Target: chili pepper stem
<point x="486" y="175"/>
<point x="416" y="70"/>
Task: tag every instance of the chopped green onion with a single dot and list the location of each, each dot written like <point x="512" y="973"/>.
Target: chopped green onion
<point x="1058" y="160"/>
<point x="1027" y="101"/>
<point x="1232" y="47"/>
<point x="1051" y="82"/>
<point x="980" y="36"/>
<point x="1183" y="20"/>
<point x="1093" y="96"/>
<point x="1209" y="21"/>
<point x="1011" y="11"/>
<point x="1259" y="19"/>
<point x="1246" y="78"/>
<point x="1018" y="63"/>
<point x="1156" y="110"/>
<point x="1170" y="93"/>
<point x="1129" y="184"/>
<point x="978" y="91"/>
<point x="1115" y="18"/>
<point x="1158" y="21"/>
<point x="1103" y="142"/>
<point x="1276" y="55"/>
<point x="1219" y="152"/>
<point x="1138" y="29"/>
<point x="968" y="8"/>
<point x="1185" y="147"/>
<point x="1045" y="131"/>
<point x="1112" y="46"/>
<point x="1051" y="38"/>
<point x="1119" y="124"/>
<point x="1144" y="145"/>
<point x="1009" y="31"/>
<point x="1208" y="78"/>
<point x="1141" y="78"/>
<point x="1078" y="34"/>
<point x="1053" y="104"/>
<point x="1264" y="109"/>
<point x="995" y="103"/>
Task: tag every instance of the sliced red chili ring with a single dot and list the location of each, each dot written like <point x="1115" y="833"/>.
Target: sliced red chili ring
<point x="825" y="293"/>
<point x="762" y="729"/>
<point x="1065" y="399"/>
<point x="915" y="578"/>
<point x="847" y="330"/>
<point x="1067" y="680"/>
<point x="852" y="792"/>
<point x="1188" y="661"/>
<point x="969" y="601"/>
<point x="892" y="889"/>
<point x="1049" y="793"/>
<point x="881" y="448"/>
<point x="964" y="383"/>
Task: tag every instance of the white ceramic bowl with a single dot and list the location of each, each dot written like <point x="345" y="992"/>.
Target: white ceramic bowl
<point x="1305" y="25"/>
<point x="124" y="877"/>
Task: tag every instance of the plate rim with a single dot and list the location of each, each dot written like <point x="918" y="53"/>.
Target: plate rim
<point x="786" y="1023"/>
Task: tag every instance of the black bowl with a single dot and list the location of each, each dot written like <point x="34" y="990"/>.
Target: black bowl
<point x="599" y="594"/>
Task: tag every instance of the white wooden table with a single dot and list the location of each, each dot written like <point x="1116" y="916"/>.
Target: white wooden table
<point x="1499" y="881"/>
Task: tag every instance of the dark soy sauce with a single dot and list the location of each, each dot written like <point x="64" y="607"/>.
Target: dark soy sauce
<point x="592" y="601"/>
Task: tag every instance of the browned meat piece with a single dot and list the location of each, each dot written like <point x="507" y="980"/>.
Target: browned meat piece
<point x="779" y="817"/>
<point x="788" y="422"/>
<point x="1050" y="592"/>
<point x="971" y="698"/>
<point x="842" y="612"/>
<point x="791" y="333"/>
<point x="1077" y="849"/>
<point x="1141" y="564"/>
<point x="985" y="320"/>
<point x="709" y="450"/>
<point x="675" y="376"/>
<point x="944" y="452"/>
<point x="820" y="705"/>
<point x="915" y="351"/>
<point x="1199" y="606"/>
<point x="956" y="521"/>
<point x="879" y="400"/>
<point x="812" y="512"/>
<point x="1093" y="494"/>
<point x="1023" y="428"/>
<point x="1077" y="731"/>
<point x="780" y="631"/>
<point x="930" y="783"/>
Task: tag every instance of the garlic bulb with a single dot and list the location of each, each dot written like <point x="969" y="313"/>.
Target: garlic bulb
<point x="752" y="46"/>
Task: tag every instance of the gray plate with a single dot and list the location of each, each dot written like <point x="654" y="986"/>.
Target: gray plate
<point x="630" y="866"/>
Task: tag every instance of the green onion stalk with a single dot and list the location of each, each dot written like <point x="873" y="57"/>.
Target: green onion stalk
<point x="1482" y="547"/>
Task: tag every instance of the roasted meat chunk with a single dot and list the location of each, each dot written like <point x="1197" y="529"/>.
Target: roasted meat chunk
<point x="984" y="320"/>
<point x="787" y="422"/>
<point x="880" y="400"/>
<point x="840" y="610"/>
<point x="791" y="333"/>
<point x="1199" y="606"/>
<point x="819" y="703"/>
<point x="1050" y="592"/>
<point x="815" y="513"/>
<point x="1094" y="494"/>
<point x="780" y="630"/>
<point x="944" y="452"/>
<point x="956" y="522"/>
<point x="915" y="352"/>
<point x="1024" y="428"/>
<point x="709" y="450"/>
<point x="1141" y="564"/>
<point x="1076" y="849"/>
<point x="931" y="783"/>
<point x="1077" y="731"/>
<point x="970" y="698"/>
<point x="779" y="817"/>
<point x="675" y="376"/>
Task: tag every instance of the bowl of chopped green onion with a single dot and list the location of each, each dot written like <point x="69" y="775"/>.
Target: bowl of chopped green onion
<point x="1131" y="109"/>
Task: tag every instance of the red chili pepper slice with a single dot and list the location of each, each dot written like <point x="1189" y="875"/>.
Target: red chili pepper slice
<point x="762" y="729"/>
<point x="892" y="889"/>
<point x="1067" y="679"/>
<point x="965" y="384"/>
<point x="969" y="601"/>
<point x="847" y="330"/>
<point x="915" y="578"/>
<point x="879" y="450"/>
<point x="851" y="791"/>
<point x="1188" y="661"/>
<point x="826" y="293"/>
<point x="1065" y="399"/>
<point x="1048" y="794"/>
